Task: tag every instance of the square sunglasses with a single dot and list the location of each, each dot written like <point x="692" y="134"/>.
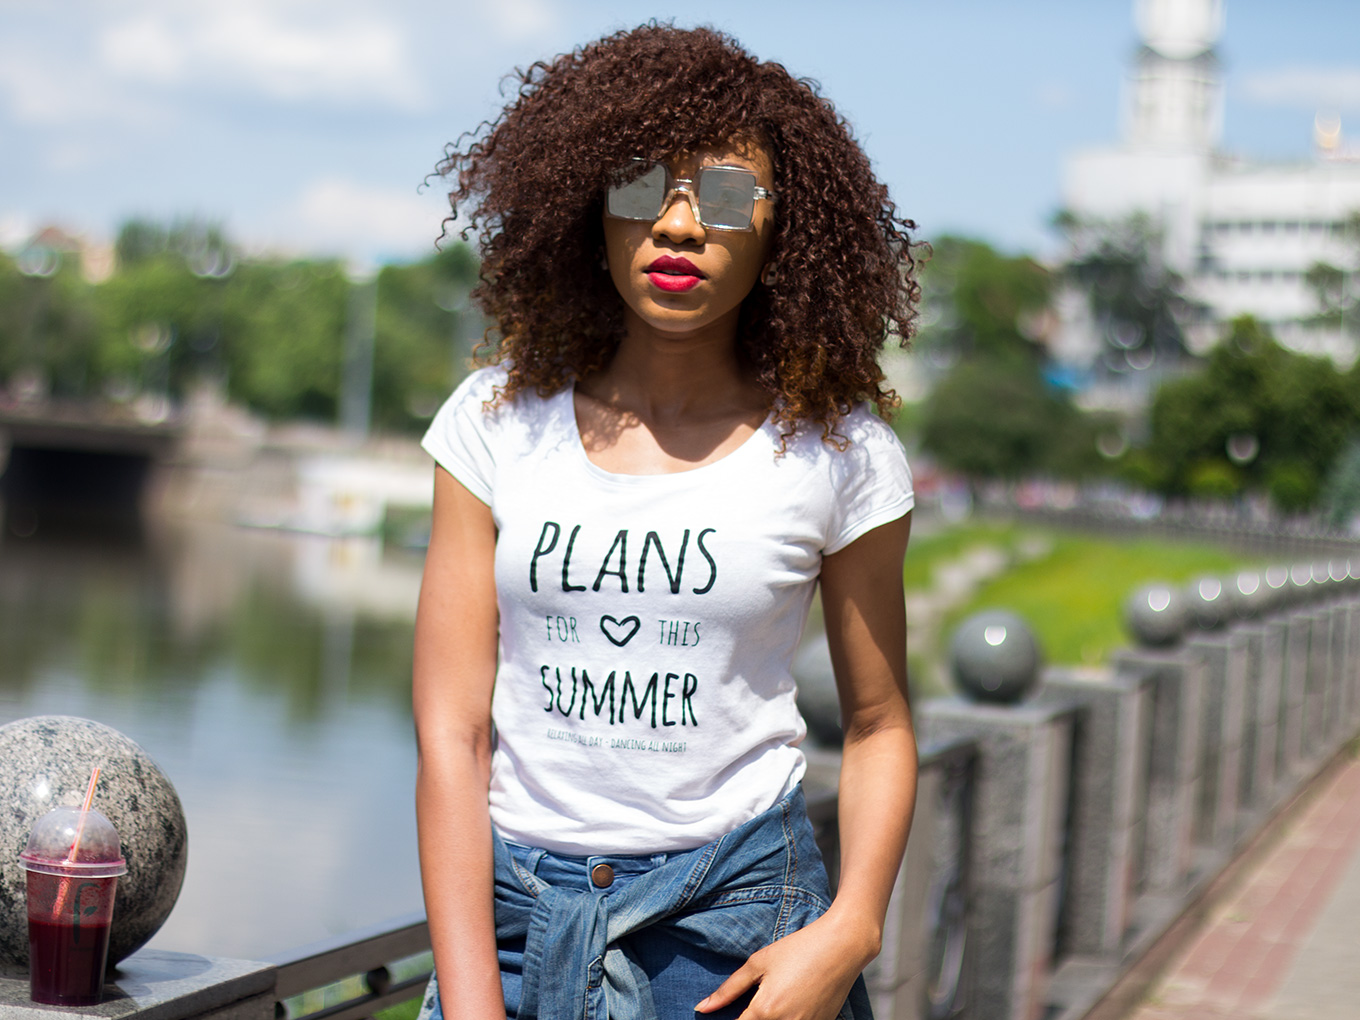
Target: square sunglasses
<point x="722" y="197"/>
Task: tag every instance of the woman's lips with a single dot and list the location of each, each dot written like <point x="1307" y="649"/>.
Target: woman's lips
<point x="671" y="273"/>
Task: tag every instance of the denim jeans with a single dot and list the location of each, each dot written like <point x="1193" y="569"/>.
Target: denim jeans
<point x="664" y="934"/>
<point x="679" y="973"/>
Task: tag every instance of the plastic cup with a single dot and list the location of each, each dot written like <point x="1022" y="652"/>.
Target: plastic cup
<point x="70" y="904"/>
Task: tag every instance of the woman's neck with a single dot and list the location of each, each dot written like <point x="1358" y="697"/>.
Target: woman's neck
<point x="665" y="378"/>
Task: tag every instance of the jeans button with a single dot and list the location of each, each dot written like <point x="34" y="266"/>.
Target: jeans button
<point x="602" y="875"/>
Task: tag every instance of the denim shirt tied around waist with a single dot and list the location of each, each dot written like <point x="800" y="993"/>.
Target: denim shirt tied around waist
<point x="758" y="883"/>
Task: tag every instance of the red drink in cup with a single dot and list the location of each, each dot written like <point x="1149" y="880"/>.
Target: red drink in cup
<point x="73" y="862"/>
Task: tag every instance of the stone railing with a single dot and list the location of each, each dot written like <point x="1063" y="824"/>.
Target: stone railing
<point x="1065" y="820"/>
<point x="353" y="976"/>
<point x="1108" y="800"/>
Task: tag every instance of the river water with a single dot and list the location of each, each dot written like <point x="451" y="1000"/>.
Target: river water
<point x="268" y="674"/>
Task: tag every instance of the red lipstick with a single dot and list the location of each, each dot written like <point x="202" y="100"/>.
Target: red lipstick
<point x="672" y="273"/>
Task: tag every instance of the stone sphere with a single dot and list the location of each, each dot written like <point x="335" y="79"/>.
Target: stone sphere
<point x="1301" y="587"/>
<point x="1251" y="596"/>
<point x="994" y="657"/>
<point x="1210" y="602"/>
<point x="45" y="762"/>
<point x="1278" y="587"/>
<point x="1156" y="614"/>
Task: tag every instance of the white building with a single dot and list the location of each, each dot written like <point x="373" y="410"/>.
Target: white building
<point x="1242" y="232"/>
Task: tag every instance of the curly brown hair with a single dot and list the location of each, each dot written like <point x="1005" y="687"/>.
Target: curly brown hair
<point x="532" y="184"/>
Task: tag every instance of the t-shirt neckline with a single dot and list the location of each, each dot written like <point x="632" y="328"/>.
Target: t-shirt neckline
<point x="567" y="408"/>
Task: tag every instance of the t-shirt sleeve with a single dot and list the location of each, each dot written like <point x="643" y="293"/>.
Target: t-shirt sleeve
<point x="461" y="438"/>
<point x="874" y="483"/>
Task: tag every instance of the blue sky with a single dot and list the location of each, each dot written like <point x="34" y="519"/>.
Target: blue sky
<point x="308" y="125"/>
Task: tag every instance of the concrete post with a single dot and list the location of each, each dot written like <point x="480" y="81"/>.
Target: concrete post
<point x="1353" y="659"/>
<point x="1173" y="763"/>
<point x="1338" y="711"/>
<point x="1316" y="744"/>
<point x="1292" y="706"/>
<point x="1251" y="695"/>
<point x="1224" y="656"/>
<point x="904" y="976"/>
<point x="1110" y="791"/>
<point x="1019" y="815"/>
<point x="1266" y="652"/>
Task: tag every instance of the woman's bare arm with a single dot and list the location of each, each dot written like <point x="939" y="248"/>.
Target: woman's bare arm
<point x="808" y="974"/>
<point x="455" y="670"/>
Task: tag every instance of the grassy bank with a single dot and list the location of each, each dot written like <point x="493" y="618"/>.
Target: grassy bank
<point x="1071" y="588"/>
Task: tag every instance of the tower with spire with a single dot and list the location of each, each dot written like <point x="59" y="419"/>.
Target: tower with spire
<point x="1175" y="96"/>
<point x="1242" y="232"/>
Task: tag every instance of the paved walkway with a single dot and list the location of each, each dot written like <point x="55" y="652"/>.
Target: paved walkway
<point x="1285" y="943"/>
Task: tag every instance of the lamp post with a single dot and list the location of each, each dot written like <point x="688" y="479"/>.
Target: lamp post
<point x="356" y="379"/>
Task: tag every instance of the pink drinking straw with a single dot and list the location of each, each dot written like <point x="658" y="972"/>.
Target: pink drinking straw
<point x="65" y="886"/>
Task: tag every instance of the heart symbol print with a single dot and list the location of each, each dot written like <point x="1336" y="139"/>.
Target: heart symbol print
<point x="619" y="631"/>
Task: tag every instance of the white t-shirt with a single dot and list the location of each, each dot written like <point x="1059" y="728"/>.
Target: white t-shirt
<point x="644" y="700"/>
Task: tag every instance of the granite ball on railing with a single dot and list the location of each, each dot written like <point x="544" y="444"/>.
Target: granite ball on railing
<point x="1277" y="587"/>
<point x="994" y="657"/>
<point x="45" y="762"/>
<point x="1157" y="615"/>
<point x="1251" y="595"/>
<point x="1300" y="586"/>
<point x="1210" y="602"/>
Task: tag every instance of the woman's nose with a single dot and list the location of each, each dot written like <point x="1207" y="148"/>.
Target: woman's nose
<point x="677" y="222"/>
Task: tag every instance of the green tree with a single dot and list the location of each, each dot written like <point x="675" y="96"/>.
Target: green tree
<point x="994" y="418"/>
<point x="993" y="414"/>
<point x="1341" y="493"/>
<point x="1139" y="304"/>
<point x="202" y="245"/>
<point x="426" y="331"/>
<point x="184" y="304"/>
<point x="1337" y="288"/>
<point x="283" y="337"/>
<point x="981" y="303"/>
<point x="49" y="327"/>
<point x="1255" y="417"/>
<point x="159" y="323"/>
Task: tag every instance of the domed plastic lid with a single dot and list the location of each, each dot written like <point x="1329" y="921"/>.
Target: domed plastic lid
<point x="100" y="854"/>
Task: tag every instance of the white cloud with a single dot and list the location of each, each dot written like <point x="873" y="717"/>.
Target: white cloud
<point x="40" y="88"/>
<point x="341" y="216"/>
<point x="1310" y="87"/>
<point x="140" y="61"/>
<point x="143" y="48"/>
<point x="290" y="51"/>
<point x="520" y="19"/>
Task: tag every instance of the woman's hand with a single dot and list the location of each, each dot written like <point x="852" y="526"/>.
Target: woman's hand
<point x="804" y="976"/>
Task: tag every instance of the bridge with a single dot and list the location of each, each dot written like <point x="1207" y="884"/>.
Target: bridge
<point x="76" y="463"/>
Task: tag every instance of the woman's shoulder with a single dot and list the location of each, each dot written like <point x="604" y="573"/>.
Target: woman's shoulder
<point x="479" y="386"/>
<point x="480" y="398"/>
<point x="863" y="426"/>
<point x="477" y="429"/>
<point x="858" y="433"/>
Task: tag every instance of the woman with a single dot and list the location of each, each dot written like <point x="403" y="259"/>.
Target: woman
<point x="691" y="268"/>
